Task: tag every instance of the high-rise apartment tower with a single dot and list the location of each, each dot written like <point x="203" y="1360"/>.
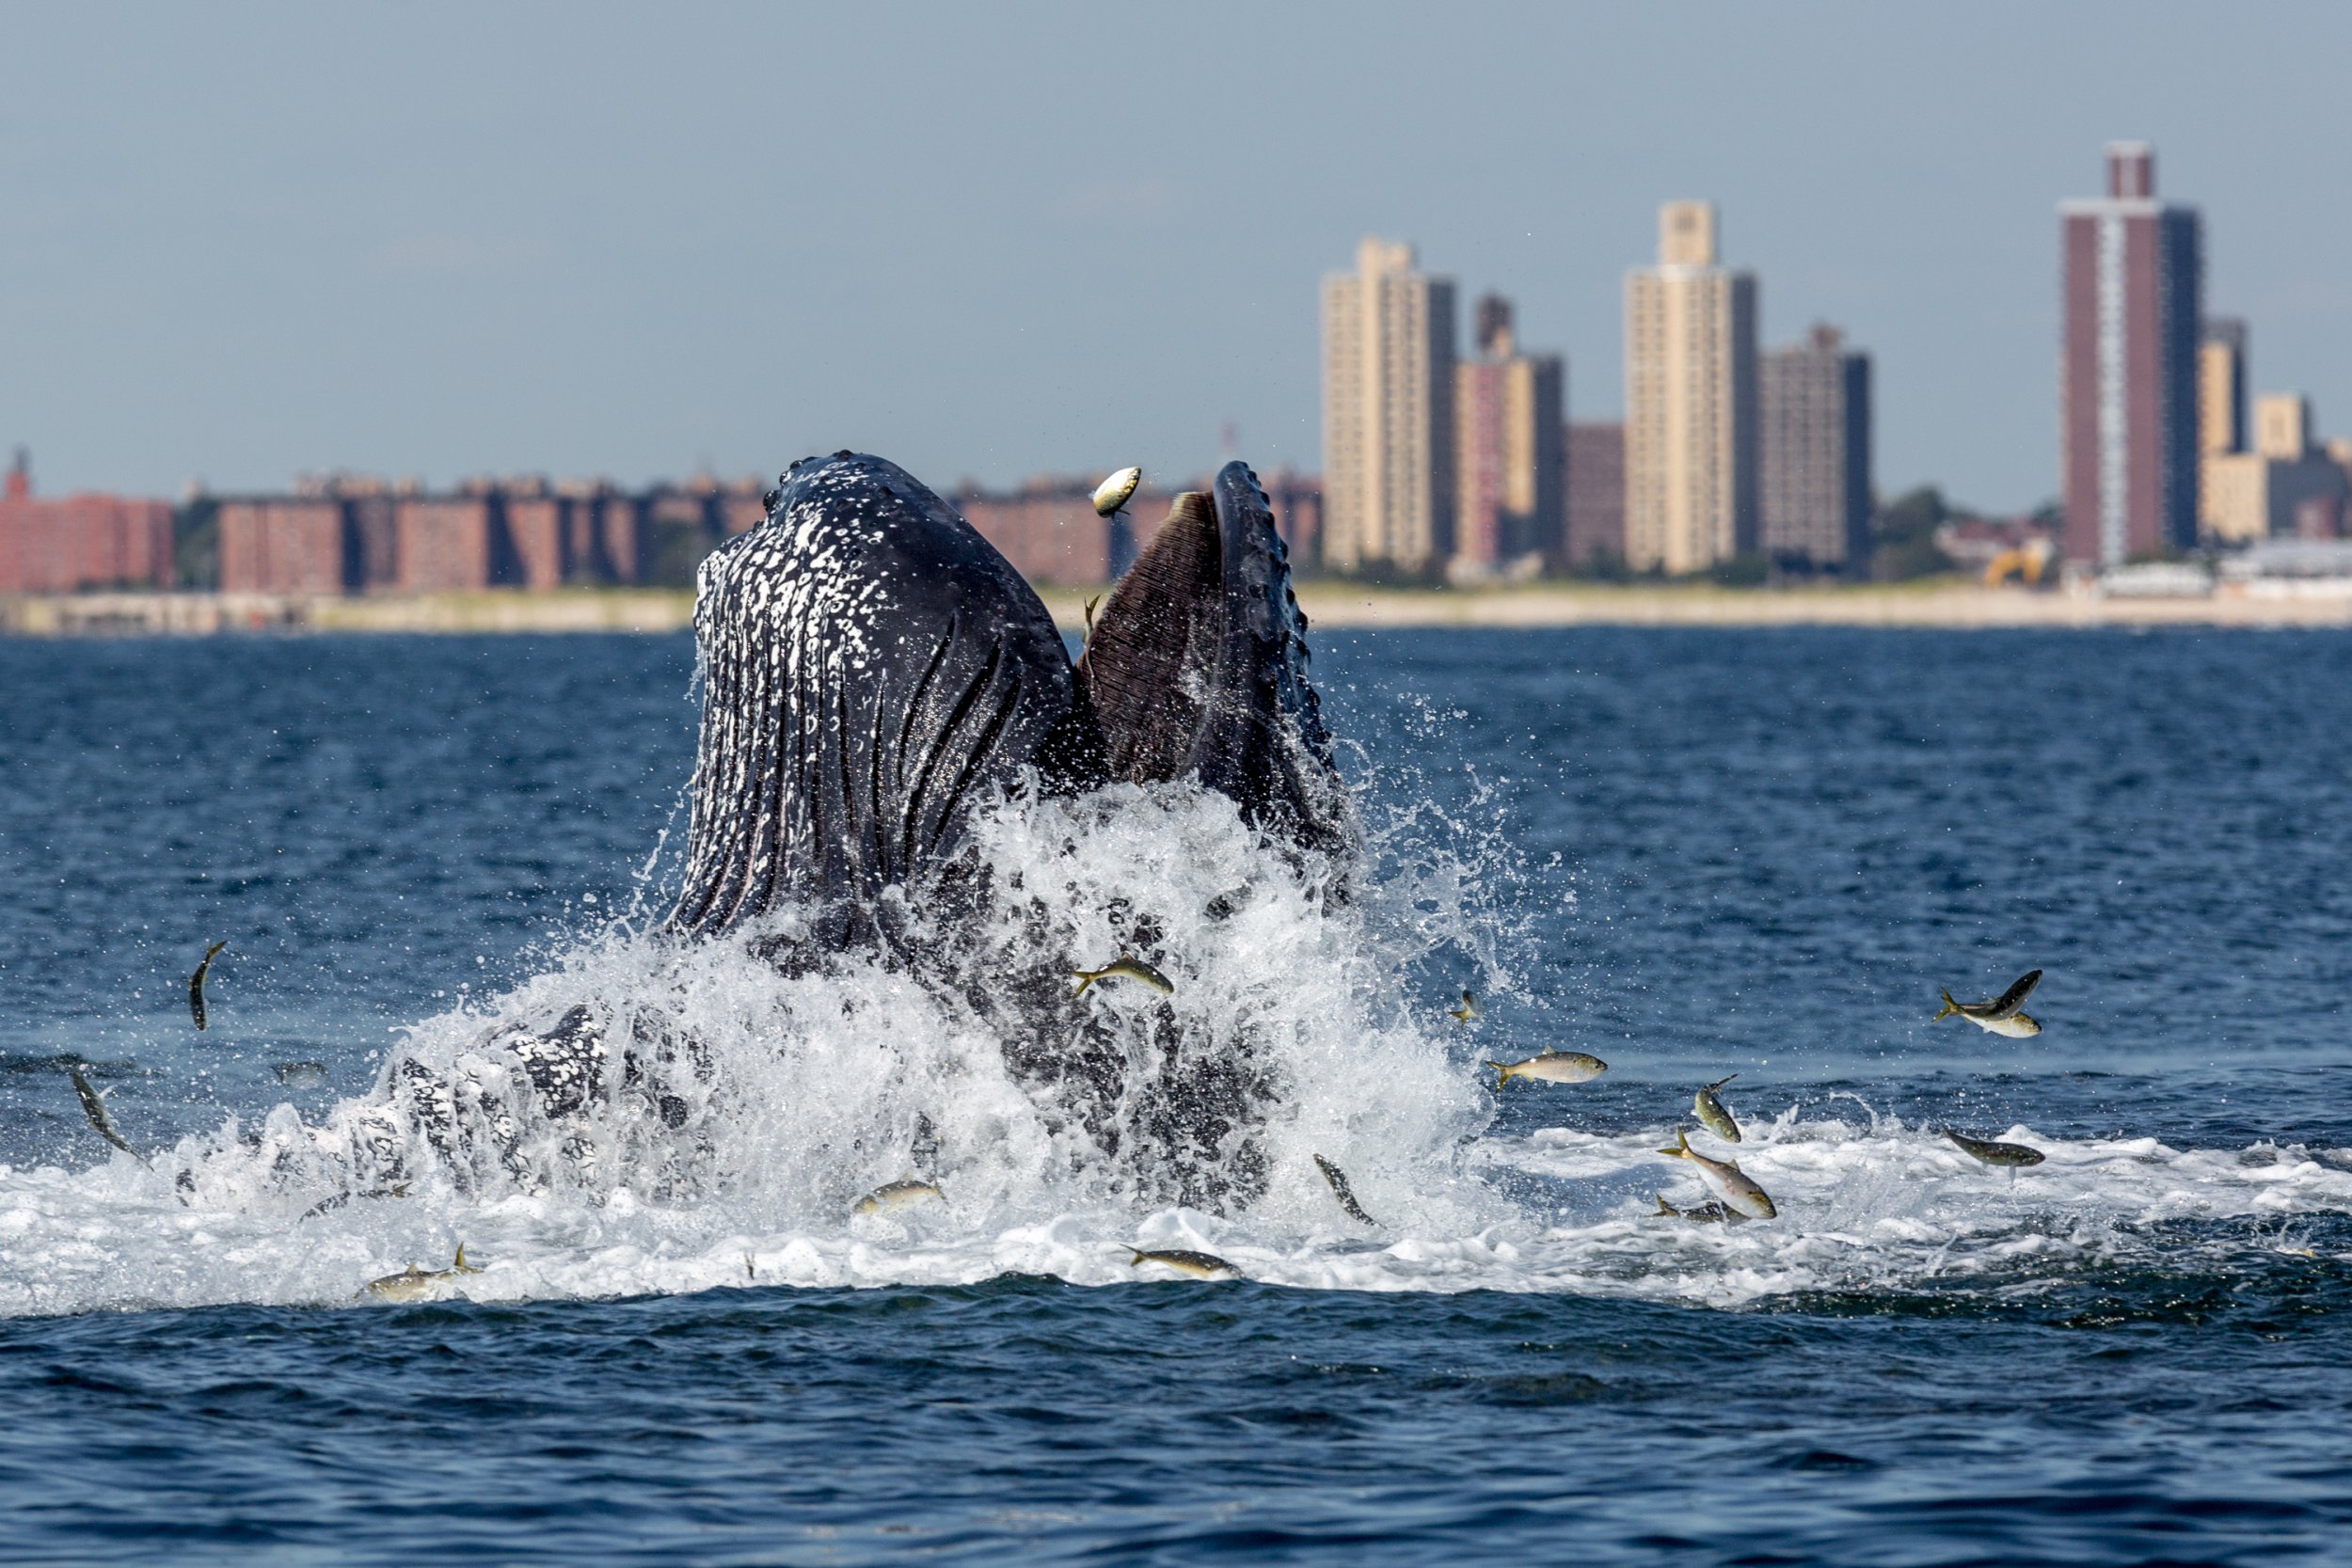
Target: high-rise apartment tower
<point x="1815" y="403"/>
<point x="2221" y="386"/>
<point x="2128" y="426"/>
<point x="1596" y="466"/>
<point x="1388" y="413"/>
<point x="1691" y="401"/>
<point x="1508" y="412"/>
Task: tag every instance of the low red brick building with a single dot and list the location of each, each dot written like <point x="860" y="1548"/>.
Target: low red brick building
<point x="283" y="545"/>
<point x="1048" y="528"/>
<point x="80" y="541"/>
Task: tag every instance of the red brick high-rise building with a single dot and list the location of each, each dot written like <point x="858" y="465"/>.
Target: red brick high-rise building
<point x="1509" y="408"/>
<point x="2127" y="427"/>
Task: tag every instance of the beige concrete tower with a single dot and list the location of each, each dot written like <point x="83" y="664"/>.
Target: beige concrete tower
<point x="2220" y="418"/>
<point x="1689" y="399"/>
<point x="1388" y="413"/>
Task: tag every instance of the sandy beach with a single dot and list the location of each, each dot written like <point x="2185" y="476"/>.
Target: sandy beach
<point x="1328" y="604"/>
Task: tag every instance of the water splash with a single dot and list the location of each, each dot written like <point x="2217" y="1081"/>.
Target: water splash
<point x="767" y="1101"/>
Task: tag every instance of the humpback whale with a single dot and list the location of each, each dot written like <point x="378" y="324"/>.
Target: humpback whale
<point x="873" y="674"/>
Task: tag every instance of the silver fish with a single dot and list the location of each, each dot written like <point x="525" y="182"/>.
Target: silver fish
<point x="416" y="1284"/>
<point x="300" y="1074"/>
<point x="1725" y="1179"/>
<point x="2000" y="1014"/>
<point x="195" y="983"/>
<point x="1993" y="1153"/>
<point x="94" y="1107"/>
<point x="1340" y="1189"/>
<point x="328" y="1205"/>
<point x="1551" y="1067"/>
<point x="1711" y="1113"/>
<point x="899" y="1195"/>
<point x="1125" y="967"/>
<point x="1705" y="1213"/>
<point x="1200" y="1265"/>
<point x="1116" y="491"/>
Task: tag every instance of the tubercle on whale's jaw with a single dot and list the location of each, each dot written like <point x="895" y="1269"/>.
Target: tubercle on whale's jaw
<point x="1266" y="660"/>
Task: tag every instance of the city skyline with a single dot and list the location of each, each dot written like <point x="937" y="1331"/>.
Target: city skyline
<point x="644" y="247"/>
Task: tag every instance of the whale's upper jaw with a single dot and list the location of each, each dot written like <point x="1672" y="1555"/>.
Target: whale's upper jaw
<point x="1198" y="667"/>
<point x="871" y="666"/>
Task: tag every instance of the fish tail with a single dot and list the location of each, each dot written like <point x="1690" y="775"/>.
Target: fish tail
<point x="1084" y="978"/>
<point x="1682" y="1145"/>
<point x="1950" y="1006"/>
<point x="460" y="1264"/>
<point x="1719" y="1083"/>
<point x="1665" y="1209"/>
<point x="1502" y="1070"/>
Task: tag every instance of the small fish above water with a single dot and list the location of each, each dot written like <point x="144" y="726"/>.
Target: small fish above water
<point x="2000" y="1014"/>
<point x="1712" y="1114"/>
<point x="416" y="1284"/>
<point x="1200" y="1265"/>
<point x="1552" y="1066"/>
<point x="1705" y="1213"/>
<point x="1116" y="491"/>
<point x="1125" y="967"/>
<point x="899" y="1195"/>
<point x="328" y="1205"/>
<point x="1724" y="1178"/>
<point x="1468" y="1011"/>
<point x="1994" y="1154"/>
<point x="300" y="1074"/>
<point x="195" y="983"/>
<point x="94" y="1107"/>
<point x="1340" y="1189"/>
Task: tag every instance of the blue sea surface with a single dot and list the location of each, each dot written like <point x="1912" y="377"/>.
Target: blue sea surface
<point x="1691" y="853"/>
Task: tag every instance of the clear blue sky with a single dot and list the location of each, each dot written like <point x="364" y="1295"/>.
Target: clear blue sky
<point x="243" y="240"/>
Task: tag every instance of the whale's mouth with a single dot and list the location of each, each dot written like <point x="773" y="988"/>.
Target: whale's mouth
<point x="1197" y="666"/>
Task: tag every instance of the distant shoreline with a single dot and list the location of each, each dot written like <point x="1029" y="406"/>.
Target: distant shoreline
<point x="1935" y="604"/>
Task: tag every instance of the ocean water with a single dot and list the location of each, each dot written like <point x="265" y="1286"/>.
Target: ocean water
<point x="1691" y="853"/>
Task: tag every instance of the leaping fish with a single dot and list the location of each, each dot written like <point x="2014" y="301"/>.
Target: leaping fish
<point x="2000" y="1014"/>
<point x="1200" y="1265"/>
<point x="1114" y="493"/>
<point x="1340" y="1189"/>
<point x="899" y="1195"/>
<point x="1712" y="1113"/>
<point x="1468" y="1011"/>
<point x="1704" y="1214"/>
<point x="1725" y="1179"/>
<point x="1996" y="1153"/>
<point x="195" y="984"/>
<point x="94" y="1107"/>
<point x="1125" y="967"/>
<point x="416" y="1284"/>
<point x="1551" y="1067"/>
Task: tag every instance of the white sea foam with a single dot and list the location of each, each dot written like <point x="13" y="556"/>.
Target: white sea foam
<point x="812" y="1085"/>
